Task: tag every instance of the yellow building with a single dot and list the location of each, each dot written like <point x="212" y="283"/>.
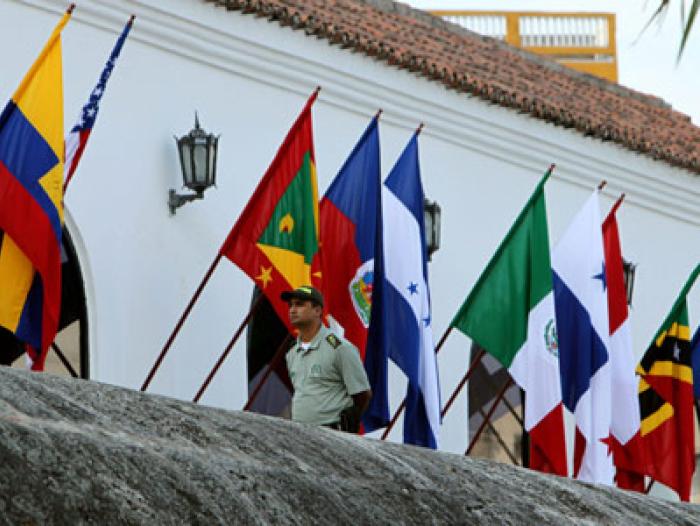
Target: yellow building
<point x="582" y="41"/>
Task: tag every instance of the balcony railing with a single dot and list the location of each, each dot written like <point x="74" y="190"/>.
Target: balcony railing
<point x="585" y="41"/>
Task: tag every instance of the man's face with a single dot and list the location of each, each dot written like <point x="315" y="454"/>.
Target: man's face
<point x="303" y="313"/>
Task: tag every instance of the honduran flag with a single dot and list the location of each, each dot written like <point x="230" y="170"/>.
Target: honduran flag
<point x="580" y="302"/>
<point x="79" y="134"/>
<point x="628" y="451"/>
<point x="401" y="324"/>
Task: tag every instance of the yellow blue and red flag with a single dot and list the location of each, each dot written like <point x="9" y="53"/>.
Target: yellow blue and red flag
<point x="31" y="209"/>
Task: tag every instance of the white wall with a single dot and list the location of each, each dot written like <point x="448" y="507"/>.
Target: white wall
<point x="249" y="78"/>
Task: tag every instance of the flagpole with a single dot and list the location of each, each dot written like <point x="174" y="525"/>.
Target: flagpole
<point x="466" y="377"/>
<point x="180" y="322"/>
<point x="489" y="414"/>
<point x="64" y="360"/>
<point x="402" y="406"/>
<point x="228" y="348"/>
<point x="270" y="367"/>
<point x="499" y="439"/>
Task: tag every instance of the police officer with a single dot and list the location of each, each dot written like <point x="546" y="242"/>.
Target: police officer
<point x="330" y="384"/>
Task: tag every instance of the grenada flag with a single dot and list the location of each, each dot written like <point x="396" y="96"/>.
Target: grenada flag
<point x="275" y="240"/>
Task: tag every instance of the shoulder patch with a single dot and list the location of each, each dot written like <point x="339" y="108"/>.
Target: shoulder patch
<point x="333" y="340"/>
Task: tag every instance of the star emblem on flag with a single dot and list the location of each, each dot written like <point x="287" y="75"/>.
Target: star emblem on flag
<point x="265" y="276"/>
<point x="412" y="288"/>
<point x="601" y="277"/>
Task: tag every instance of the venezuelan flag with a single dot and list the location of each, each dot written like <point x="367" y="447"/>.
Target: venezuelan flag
<point x="31" y="209"/>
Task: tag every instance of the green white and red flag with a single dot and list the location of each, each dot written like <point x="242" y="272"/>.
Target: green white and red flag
<point x="510" y="314"/>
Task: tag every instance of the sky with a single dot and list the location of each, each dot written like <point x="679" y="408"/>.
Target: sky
<point x="646" y="60"/>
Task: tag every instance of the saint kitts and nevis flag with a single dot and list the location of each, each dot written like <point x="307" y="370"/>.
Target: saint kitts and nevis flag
<point x="510" y="313"/>
<point x="31" y="211"/>
<point x="666" y="400"/>
<point x="275" y="240"/>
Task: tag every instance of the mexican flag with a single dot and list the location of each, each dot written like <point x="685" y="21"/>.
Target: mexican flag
<point x="275" y="240"/>
<point x="510" y="314"/>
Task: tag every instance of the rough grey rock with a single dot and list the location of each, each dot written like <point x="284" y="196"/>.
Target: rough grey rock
<point x="75" y="452"/>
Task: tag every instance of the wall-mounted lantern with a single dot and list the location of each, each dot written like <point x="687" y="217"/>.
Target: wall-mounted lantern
<point x="431" y="211"/>
<point x="197" y="152"/>
<point x="629" y="270"/>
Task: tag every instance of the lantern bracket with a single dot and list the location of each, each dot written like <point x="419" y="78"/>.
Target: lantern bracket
<point x="176" y="200"/>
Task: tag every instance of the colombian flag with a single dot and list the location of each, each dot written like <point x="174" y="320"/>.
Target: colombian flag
<point x="275" y="240"/>
<point x="31" y="211"/>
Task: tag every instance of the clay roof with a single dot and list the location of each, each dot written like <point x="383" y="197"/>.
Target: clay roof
<point x="483" y="67"/>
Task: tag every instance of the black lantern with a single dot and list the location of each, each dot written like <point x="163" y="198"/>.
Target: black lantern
<point x="431" y="214"/>
<point x="629" y="269"/>
<point x="197" y="152"/>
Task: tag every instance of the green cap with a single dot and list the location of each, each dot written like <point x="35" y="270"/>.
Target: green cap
<point x="305" y="292"/>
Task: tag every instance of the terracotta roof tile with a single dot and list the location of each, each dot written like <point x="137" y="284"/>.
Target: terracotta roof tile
<point x="492" y="70"/>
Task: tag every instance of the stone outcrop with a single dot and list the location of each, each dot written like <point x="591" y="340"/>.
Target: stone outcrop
<point x="75" y="452"/>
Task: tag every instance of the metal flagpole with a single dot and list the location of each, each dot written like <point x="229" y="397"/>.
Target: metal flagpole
<point x="228" y="348"/>
<point x="500" y="440"/>
<point x="488" y="415"/>
<point x="466" y="377"/>
<point x="279" y="353"/>
<point x="402" y="406"/>
<point x="180" y="322"/>
<point x="64" y="360"/>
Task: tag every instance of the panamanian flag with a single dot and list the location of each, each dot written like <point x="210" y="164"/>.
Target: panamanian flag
<point x="401" y="325"/>
<point x="80" y="133"/>
<point x="580" y="302"/>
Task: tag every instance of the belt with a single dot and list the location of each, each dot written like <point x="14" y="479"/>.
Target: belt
<point x="334" y="425"/>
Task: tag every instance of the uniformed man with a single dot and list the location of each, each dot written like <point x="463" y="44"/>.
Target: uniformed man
<point x="330" y="384"/>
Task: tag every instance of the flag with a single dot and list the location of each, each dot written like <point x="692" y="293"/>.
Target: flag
<point x="510" y="313"/>
<point x="695" y="354"/>
<point x="349" y="213"/>
<point x="628" y="452"/>
<point x="31" y="211"/>
<point x="78" y="136"/>
<point x="666" y="400"/>
<point x="275" y="240"/>
<point x="581" y="305"/>
<point x="400" y="326"/>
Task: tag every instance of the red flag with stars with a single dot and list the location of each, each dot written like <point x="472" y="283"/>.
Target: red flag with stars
<point x="275" y="240"/>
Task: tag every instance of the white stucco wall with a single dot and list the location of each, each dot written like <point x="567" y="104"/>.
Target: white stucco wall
<point x="248" y="79"/>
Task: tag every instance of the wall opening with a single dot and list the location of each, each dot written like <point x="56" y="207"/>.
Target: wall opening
<point x="265" y="335"/>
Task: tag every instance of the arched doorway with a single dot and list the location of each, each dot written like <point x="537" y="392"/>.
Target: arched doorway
<point x="69" y="354"/>
<point x="266" y="334"/>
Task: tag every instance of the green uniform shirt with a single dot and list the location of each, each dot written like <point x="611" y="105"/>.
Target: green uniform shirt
<point x="324" y="378"/>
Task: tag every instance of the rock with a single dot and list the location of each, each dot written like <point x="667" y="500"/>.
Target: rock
<point x="76" y="452"/>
